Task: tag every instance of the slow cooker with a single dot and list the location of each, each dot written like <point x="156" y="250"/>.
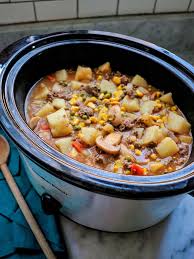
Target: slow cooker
<point x="87" y="195"/>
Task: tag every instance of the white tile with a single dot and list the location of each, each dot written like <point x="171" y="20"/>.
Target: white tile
<point x="16" y="13"/>
<point x="12" y="1"/>
<point x="191" y="6"/>
<point x="4" y="1"/>
<point x="55" y="10"/>
<point x="89" y="8"/>
<point x="136" y="6"/>
<point x="171" y="6"/>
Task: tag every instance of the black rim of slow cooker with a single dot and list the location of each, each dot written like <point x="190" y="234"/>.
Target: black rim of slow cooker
<point x="166" y="185"/>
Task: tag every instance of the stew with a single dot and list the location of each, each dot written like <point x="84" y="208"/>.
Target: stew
<point x="110" y="120"/>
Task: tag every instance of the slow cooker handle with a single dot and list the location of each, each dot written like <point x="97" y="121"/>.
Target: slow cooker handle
<point x="49" y="204"/>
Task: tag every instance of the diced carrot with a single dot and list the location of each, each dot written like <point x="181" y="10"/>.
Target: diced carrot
<point x="137" y="169"/>
<point x="78" y="146"/>
<point x="44" y="126"/>
<point x="51" y="78"/>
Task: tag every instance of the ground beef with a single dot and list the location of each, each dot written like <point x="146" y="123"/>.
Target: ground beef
<point x="183" y="149"/>
<point x="66" y="95"/>
<point x="124" y="80"/>
<point x="92" y="90"/>
<point x="85" y="111"/>
<point x="101" y="158"/>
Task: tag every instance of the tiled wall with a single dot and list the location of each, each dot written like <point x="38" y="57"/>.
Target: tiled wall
<point x="19" y="11"/>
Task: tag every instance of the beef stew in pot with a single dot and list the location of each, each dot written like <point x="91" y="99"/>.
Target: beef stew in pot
<point x="110" y="120"/>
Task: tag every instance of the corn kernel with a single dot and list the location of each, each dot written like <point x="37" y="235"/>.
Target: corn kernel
<point x="158" y="94"/>
<point x="132" y="138"/>
<point x="74" y="108"/>
<point x="113" y="99"/>
<point x="139" y="93"/>
<point x="115" y="169"/>
<point x="104" y="116"/>
<point x="96" y="109"/>
<point x="108" y="128"/>
<point x="114" y="102"/>
<point x="91" y="105"/>
<point x="159" y="105"/>
<point x="157" y="101"/>
<point x="105" y="101"/>
<point x="82" y="124"/>
<point x="118" y="94"/>
<point x="99" y="78"/>
<point x="73" y="101"/>
<point x="159" y="121"/>
<point x="101" y="96"/>
<point x="164" y="119"/>
<point x="153" y="156"/>
<point x="101" y="122"/>
<point x="138" y="152"/>
<point x="173" y="108"/>
<point x="75" y="121"/>
<point x="120" y="87"/>
<point x="132" y="147"/>
<point x="123" y="109"/>
<point x="116" y="80"/>
<point x="93" y="119"/>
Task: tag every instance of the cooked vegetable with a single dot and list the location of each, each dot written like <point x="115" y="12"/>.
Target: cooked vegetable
<point x="58" y="103"/>
<point x="178" y="124"/>
<point x="107" y="86"/>
<point x="106" y="146"/>
<point x="139" y="81"/>
<point x="33" y="122"/>
<point x="61" y="75"/>
<point x="78" y="146"/>
<point x="105" y="68"/>
<point x="110" y="120"/>
<point x="89" y="135"/>
<point x="131" y="105"/>
<point x="83" y="73"/>
<point x="167" y="147"/>
<point x="147" y="107"/>
<point x="155" y="167"/>
<point x="59" y="123"/>
<point x="167" y="98"/>
<point x="64" y="144"/>
<point x="42" y="93"/>
<point x="45" y="110"/>
<point x="152" y="134"/>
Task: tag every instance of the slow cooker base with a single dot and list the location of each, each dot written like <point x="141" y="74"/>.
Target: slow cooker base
<point x="99" y="211"/>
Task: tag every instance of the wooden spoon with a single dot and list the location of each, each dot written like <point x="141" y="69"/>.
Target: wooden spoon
<point x="4" y="154"/>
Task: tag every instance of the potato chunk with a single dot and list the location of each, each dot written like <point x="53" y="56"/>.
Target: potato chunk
<point x="83" y="73"/>
<point x="178" y="124"/>
<point x="89" y="135"/>
<point x="41" y="92"/>
<point x="152" y="134"/>
<point x="155" y="167"/>
<point x="167" y="147"/>
<point x="105" y="68"/>
<point x="64" y="144"/>
<point x="107" y="86"/>
<point x="76" y="85"/>
<point x="131" y="105"/>
<point x="58" y="103"/>
<point x="147" y="107"/>
<point x="45" y="110"/>
<point x="139" y="81"/>
<point x="61" y="75"/>
<point x="59" y="124"/>
<point x="185" y="139"/>
<point x="167" y="98"/>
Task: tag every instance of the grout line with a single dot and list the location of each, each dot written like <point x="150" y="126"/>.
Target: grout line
<point x="35" y="15"/>
<point x="117" y="8"/>
<point x="154" y="8"/>
<point x="77" y="9"/>
<point x="189" y="5"/>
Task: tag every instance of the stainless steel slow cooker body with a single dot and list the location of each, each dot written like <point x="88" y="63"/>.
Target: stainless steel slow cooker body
<point x="87" y="195"/>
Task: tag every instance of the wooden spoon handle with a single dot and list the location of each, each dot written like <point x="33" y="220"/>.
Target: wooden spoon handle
<point x="27" y="213"/>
